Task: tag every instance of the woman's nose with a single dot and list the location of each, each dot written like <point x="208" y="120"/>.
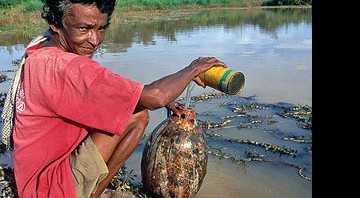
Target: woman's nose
<point x="94" y="37"/>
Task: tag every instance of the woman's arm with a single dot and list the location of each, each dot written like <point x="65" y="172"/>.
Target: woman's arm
<point x="165" y="90"/>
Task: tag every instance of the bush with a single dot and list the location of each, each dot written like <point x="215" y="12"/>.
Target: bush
<point x="288" y="2"/>
<point x="9" y="3"/>
<point x="26" y="5"/>
<point x="33" y="5"/>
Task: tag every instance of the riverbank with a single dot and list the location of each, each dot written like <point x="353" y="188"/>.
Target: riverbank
<point x="14" y="19"/>
<point x="15" y="26"/>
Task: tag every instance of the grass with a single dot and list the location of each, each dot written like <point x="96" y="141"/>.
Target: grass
<point x="12" y="15"/>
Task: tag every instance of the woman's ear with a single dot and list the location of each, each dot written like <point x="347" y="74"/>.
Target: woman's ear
<point x="54" y="28"/>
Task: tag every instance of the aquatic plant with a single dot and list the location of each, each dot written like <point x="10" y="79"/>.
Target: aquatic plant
<point x="3" y="78"/>
<point x="302" y="113"/>
<point x="300" y="139"/>
<point x="2" y="99"/>
<point x="268" y="147"/>
<point x="7" y="182"/>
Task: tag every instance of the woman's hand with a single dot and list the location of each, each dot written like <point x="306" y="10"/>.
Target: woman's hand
<point x="174" y="107"/>
<point x="202" y="64"/>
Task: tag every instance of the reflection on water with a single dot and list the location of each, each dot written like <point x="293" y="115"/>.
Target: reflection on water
<point x="272" y="47"/>
<point x="269" y="21"/>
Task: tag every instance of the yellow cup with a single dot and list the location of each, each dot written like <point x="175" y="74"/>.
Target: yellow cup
<point x="224" y="79"/>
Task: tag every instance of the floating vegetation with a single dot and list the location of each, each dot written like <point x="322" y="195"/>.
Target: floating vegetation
<point x="210" y="135"/>
<point x="7" y="182"/>
<point x="209" y="124"/>
<point x="124" y="185"/>
<point x="250" y="116"/>
<point x="253" y="157"/>
<point x="2" y="99"/>
<point x="16" y="62"/>
<point x="276" y="149"/>
<point x="9" y="70"/>
<point x="2" y="148"/>
<point x="3" y="78"/>
<point x="253" y="154"/>
<point x="246" y="161"/>
<point x="246" y="107"/>
<point x="218" y="152"/>
<point x="302" y="113"/>
<point x="123" y="180"/>
<point x="300" y="139"/>
<point x="203" y="97"/>
<point x="300" y="172"/>
<point x="235" y="116"/>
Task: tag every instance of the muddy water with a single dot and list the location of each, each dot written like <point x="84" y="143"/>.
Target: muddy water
<point x="272" y="47"/>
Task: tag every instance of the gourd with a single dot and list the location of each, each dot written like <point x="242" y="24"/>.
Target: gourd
<point x="175" y="157"/>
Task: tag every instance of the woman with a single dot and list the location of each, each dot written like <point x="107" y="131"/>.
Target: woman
<point x="77" y="122"/>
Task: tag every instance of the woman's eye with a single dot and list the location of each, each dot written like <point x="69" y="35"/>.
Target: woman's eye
<point x="83" y="29"/>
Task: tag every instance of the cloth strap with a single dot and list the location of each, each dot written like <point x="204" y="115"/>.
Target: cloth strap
<point x="9" y="105"/>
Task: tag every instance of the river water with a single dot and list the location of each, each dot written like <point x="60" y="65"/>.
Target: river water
<point x="272" y="47"/>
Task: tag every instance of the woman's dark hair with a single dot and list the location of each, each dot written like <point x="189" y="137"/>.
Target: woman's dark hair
<point x="53" y="10"/>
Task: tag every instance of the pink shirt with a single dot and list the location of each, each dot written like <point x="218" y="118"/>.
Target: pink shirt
<point x="60" y="97"/>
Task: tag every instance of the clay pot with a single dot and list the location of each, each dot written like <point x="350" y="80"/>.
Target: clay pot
<point x="175" y="157"/>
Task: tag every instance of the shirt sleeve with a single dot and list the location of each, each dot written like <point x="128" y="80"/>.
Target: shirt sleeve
<point x="96" y="97"/>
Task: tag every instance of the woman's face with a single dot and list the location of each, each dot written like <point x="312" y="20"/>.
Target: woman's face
<point x="83" y="29"/>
